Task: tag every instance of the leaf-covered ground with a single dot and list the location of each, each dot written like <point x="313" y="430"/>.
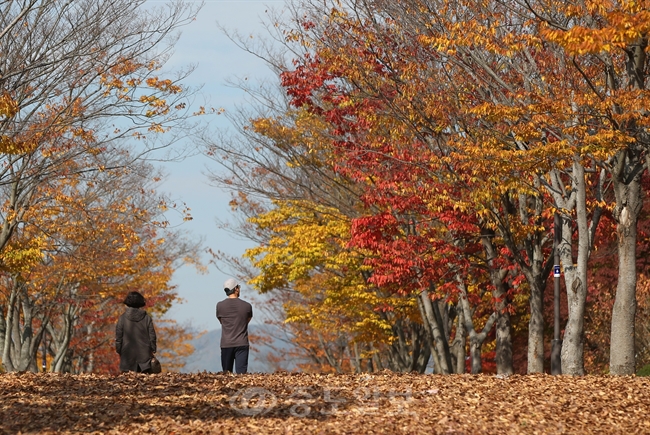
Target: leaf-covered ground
<point x="284" y="403"/>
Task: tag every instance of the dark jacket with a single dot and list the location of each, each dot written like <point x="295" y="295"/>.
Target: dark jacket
<point x="135" y="340"/>
<point x="234" y="315"/>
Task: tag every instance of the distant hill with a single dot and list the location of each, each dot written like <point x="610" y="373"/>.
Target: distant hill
<point x="207" y="353"/>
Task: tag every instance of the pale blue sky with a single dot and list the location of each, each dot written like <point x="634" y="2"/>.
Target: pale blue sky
<point x="218" y="59"/>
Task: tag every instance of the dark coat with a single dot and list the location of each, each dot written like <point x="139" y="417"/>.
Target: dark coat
<point x="135" y="340"/>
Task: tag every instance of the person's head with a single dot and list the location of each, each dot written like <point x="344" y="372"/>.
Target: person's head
<point x="231" y="287"/>
<point x="134" y="300"/>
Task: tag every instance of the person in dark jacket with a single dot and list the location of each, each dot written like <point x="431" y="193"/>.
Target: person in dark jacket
<point x="135" y="336"/>
<point x="234" y="315"/>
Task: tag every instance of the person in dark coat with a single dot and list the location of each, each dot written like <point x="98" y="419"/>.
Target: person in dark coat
<point x="234" y="315"/>
<point x="135" y="336"/>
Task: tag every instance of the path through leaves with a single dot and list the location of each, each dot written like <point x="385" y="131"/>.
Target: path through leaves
<point x="284" y="403"/>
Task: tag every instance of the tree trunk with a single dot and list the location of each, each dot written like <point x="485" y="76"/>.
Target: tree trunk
<point x="626" y="173"/>
<point x="356" y="358"/>
<point x="575" y="278"/>
<point x="532" y="265"/>
<point x="476" y="339"/>
<point x="422" y="361"/>
<point x="575" y="271"/>
<point x="440" y="346"/>
<point x="61" y="337"/>
<point x="3" y="331"/>
<point x="26" y="351"/>
<point x="20" y="342"/>
<point x="573" y="343"/>
<point x="7" y="360"/>
<point x="441" y="313"/>
<point x="536" y="329"/>
<point x="429" y="337"/>
<point x="503" y="341"/>
<point x="458" y="347"/>
<point x="503" y="330"/>
<point x="622" y="360"/>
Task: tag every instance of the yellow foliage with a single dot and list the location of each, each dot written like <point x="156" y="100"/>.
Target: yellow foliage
<point x="623" y="27"/>
<point x="309" y="253"/>
<point x="8" y="107"/>
<point x="20" y="256"/>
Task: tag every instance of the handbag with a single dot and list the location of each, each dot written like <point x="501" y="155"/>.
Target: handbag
<point x="155" y="365"/>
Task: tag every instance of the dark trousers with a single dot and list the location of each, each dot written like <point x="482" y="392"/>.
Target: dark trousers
<point x="237" y="356"/>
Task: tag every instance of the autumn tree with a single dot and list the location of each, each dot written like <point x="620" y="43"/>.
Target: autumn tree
<point x="521" y="110"/>
<point x="78" y="76"/>
<point x="382" y="132"/>
<point x="341" y="169"/>
<point x="607" y="43"/>
<point x="509" y="119"/>
<point x="286" y="190"/>
<point x="100" y="236"/>
<point x="302" y="243"/>
<point x="78" y="80"/>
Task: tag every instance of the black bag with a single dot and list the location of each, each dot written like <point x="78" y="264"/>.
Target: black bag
<point x="155" y="365"/>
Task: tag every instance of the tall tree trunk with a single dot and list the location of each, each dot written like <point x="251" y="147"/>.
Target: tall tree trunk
<point x="503" y="338"/>
<point x="575" y="270"/>
<point x="476" y="339"/>
<point x="575" y="278"/>
<point x="437" y="366"/>
<point x="503" y="330"/>
<point x="536" y="329"/>
<point x="536" y="274"/>
<point x="20" y="341"/>
<point x="572" y="355"/>
<point x="433" y="319"/>
<point x="622" y="359"/>
<point x="7" y="357"/>
<point x="533" y="266"/>
<point x="629" y="166"/>
<point x="26" y="351"/>
<point x="61" y="337"/>
<point x="356" y="358"/>
<point x="3" y="330"/>
<point x="441" y="314"/>
<point x="458" y="347"/>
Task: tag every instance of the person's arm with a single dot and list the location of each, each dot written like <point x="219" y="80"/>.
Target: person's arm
<point x="119" y="332"/>
<point x="217" y="314"/>
<point x="152" y="336"/>
<point x="250" y="313"/>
